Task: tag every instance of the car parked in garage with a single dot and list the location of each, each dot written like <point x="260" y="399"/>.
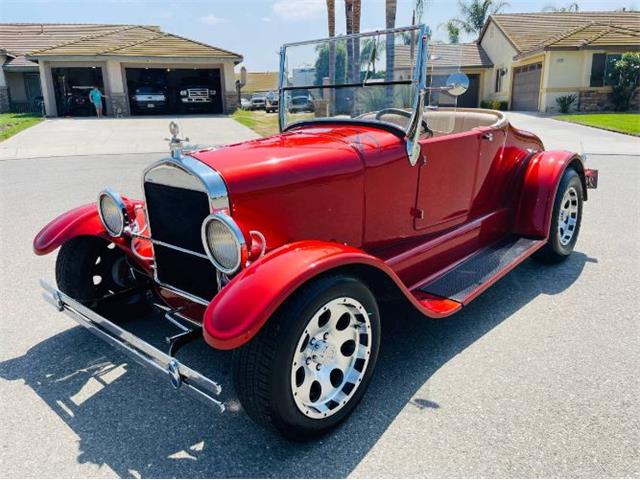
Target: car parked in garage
<point x="196" y="96"/>
<point x="282" y="248"/>
<point x="149" y="98"/>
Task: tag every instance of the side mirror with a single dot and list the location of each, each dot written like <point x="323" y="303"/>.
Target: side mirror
<point x="457" y="84"/>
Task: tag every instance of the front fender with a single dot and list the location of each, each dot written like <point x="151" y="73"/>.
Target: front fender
<point x="83" y="220"/>
<point x="242" y="307"/>
<point x="540" y="184"/>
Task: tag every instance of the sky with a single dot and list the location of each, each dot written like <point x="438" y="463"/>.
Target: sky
<point x="254" y="28"/>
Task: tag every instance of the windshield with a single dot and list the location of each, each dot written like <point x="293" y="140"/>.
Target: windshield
<point x="353" y="77"/>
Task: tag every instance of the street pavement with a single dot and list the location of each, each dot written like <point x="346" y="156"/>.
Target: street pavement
<point x="538" y="377"/>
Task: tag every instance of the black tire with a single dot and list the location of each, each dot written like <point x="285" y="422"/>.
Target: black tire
<point x="555" y="251"/>
<point x="262" y="368"/>
<point x="88" y="268"/>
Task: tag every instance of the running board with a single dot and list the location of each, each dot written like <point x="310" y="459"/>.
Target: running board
<point x="468" y="279"/>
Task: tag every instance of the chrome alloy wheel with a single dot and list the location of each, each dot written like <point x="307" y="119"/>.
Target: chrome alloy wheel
<point x="331" y="358"/>
<point x="568" y="216"/>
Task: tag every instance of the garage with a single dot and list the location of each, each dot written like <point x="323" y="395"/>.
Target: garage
<point x="526" y="87"/>
<point x="71" y="86"/>
<point x="153" y="91"/>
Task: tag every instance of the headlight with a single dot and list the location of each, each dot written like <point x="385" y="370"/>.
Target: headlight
<point x="224" y="243"/>
<point x="183" y="92"/>
<point x="113" y="212"/>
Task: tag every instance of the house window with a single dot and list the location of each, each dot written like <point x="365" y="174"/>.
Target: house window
<point x="498" y="82"/>
<point x="603" y="69"/>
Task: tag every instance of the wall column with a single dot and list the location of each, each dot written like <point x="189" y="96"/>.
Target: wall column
<point x="119" y="105"/>
<point x="46" y="84"/>
<point x="5" y="104"/>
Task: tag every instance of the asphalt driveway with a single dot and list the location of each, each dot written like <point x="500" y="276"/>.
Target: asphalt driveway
<point x="537" y="377"/>
<point x="92" y="136"/>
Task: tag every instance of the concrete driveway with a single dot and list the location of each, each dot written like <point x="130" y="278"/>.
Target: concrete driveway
<point x="91" y="136"/>
<point x="536" y="378"/>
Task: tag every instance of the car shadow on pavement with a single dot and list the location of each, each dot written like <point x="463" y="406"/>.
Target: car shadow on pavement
<point x="133" y="422"/>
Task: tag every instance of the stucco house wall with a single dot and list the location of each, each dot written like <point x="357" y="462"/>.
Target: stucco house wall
<point x="501" y="53"/>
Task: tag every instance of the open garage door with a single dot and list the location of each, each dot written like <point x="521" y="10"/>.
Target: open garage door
<point x="526" y="87"/>
<point x="174" y="90"/>
<point x="71" y="87"/>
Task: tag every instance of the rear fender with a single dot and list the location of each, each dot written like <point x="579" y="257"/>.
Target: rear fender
<point x="540" y="184"/>
<point x="80" y="221"/>
<point x="242" y="307"/>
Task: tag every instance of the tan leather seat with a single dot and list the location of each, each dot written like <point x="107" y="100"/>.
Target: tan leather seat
<point x="445" y="122"/>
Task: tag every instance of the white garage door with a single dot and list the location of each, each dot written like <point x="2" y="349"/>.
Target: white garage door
<point x="526" y="87"/>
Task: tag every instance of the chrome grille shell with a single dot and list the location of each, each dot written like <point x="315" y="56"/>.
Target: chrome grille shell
<point x="189" y="174"/>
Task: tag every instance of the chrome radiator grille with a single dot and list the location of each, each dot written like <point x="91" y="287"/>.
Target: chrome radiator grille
<point x="177" y="203"/>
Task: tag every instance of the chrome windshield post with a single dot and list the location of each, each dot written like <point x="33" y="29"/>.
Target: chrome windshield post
<point x="420" y="77"/>
<point x="281" y="93"/>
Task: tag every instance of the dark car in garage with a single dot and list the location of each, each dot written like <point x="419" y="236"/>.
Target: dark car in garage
<point x="149" y="98"/>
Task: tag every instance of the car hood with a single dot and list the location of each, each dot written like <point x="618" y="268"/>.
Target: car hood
<point x="302" y="154"/>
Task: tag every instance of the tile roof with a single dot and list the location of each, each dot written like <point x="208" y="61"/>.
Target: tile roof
<point x="40" y="40"/>
<point x="446" y="55"/>
<point x="530" y="32"/>
<point x="260" y="81"/>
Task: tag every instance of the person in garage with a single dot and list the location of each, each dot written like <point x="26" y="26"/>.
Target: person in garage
<point x="96" y="96"/>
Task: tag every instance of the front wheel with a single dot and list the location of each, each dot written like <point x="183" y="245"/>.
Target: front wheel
<point x="565" y="220"/>
<point x="311" y="363"/>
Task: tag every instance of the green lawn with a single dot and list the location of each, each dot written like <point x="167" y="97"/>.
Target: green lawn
<point x="263" y="123"/>
<point x="619" y="122"/>
<point x="12" y="123"/>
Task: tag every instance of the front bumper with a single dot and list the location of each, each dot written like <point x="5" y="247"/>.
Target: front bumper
<point x="142" y="352"/>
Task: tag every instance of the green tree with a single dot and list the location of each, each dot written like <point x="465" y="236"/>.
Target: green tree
<point x="323" y="65"/>
<point x="474" y="14"/>
<point x="453" y="30"/>
<point x="628" y="71"/>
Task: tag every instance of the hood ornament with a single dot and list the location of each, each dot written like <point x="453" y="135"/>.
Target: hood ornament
<point x="176" y="144"/>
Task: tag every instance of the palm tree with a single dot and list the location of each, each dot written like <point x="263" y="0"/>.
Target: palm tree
<point x="352" y="9"/>
<point x="475" y="14"/>
<point x="331" y="23"/>
<point x="390" y="22"/>
<point x="572" y="7"/>
<point x="453" y="30"/>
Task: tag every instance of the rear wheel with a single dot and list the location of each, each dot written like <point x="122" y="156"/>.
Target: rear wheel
<point x="311" y="363"/>
<point x="565" y="220"/>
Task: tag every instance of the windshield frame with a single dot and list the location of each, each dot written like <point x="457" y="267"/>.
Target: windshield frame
<point x="419" y="79"/>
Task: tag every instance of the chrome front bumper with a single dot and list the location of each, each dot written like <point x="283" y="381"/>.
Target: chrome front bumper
<point x="142" y="352"/>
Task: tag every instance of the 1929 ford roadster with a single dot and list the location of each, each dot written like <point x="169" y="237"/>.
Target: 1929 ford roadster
<point x="281" y="248"/>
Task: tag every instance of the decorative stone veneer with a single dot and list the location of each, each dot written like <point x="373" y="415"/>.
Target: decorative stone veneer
<point x="5" y="104"/>
<point x="231" y="102"/>
<point x="119" y="105"/>
<point x="597" y="101"/>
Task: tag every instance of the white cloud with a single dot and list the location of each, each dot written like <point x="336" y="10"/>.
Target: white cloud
<point x="213" y="20"/>
<point x="266" y="19"/>
<point x="298" y="9"/>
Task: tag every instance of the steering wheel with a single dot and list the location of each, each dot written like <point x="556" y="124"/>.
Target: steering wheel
<point x="403" y="113"/>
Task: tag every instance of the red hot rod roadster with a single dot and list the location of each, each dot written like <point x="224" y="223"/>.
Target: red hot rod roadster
<point x="281" y="248"/>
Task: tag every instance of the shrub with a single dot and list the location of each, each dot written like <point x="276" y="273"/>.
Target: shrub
<point x="564" y="102"/>
<point x="494" y="104"/>
<point x="628" y="70"/>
